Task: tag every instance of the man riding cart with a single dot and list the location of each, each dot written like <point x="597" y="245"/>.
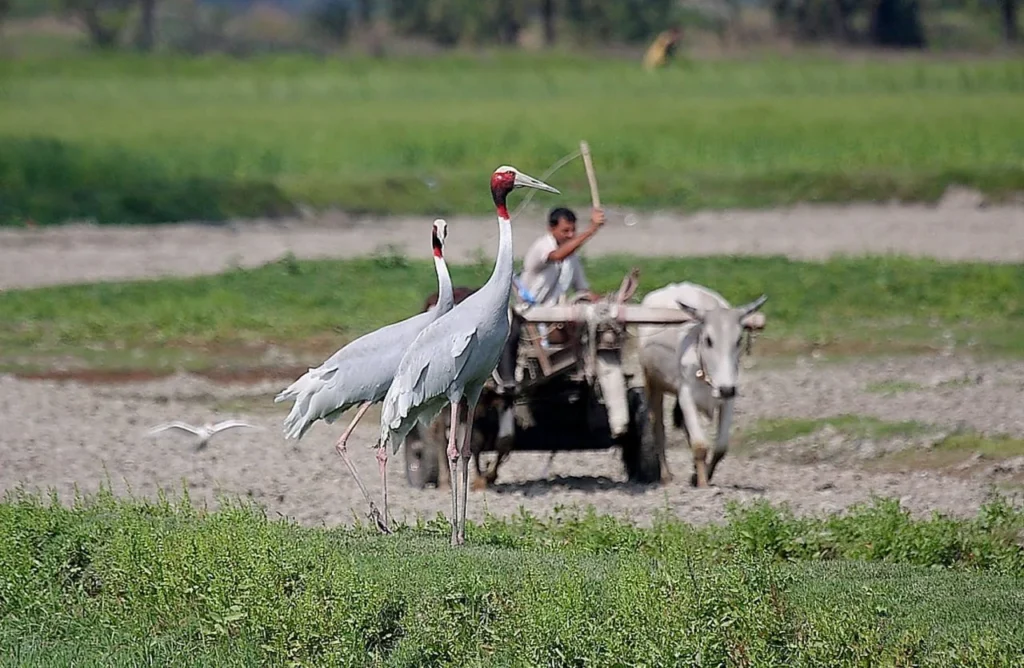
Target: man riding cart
<point x="551" y="268"/>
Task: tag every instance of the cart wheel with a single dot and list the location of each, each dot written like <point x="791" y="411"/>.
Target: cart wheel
<point x="421" y="465"/>
<point x="639" y="451"/>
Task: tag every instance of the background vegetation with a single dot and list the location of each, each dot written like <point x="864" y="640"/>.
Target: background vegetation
<point x="120" y="582"/>
<point x="854" y="305"/>
<point x="148" y="25"/>
<point x="149" y="140"/>
<point x="136" y="111"/>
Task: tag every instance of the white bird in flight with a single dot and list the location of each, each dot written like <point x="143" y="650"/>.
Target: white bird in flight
<point x="203" y="432"/>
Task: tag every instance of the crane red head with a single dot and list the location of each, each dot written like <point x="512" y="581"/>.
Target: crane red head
<point x="505" y="179"/>
<point x="438" y="233"/>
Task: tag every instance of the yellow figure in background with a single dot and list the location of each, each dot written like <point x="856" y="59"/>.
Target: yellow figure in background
<point x="661" y="49"/>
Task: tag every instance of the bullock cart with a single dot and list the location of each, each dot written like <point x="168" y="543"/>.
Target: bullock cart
<point x="571" y="393"/>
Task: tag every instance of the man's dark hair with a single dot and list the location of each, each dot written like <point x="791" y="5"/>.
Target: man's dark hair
<point x="558" y="213"/>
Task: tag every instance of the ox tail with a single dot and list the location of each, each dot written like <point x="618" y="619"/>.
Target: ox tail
<point x="677" y="415"/>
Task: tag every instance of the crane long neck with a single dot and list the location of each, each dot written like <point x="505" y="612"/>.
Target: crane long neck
<point x="503" y="262"/>
<point x="501" y="277"/>
<point x="445" y="297"/>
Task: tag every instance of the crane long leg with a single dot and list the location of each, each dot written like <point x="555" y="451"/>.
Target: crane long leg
<point x="467" y="447"/>
<point x="342" y="449"/>
<point x="453" y="458"/>
<point x="382" y="462"/>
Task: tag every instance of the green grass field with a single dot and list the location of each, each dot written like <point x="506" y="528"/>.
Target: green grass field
<point x="852" y="305"/>
<point x="120" y="582"/>
<point x="124" y="139"/>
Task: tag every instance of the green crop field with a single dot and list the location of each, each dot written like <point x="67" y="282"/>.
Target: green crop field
<point x="852" y="305"/>
<point x="119" y="582"/>
<point x="125" y="139"/>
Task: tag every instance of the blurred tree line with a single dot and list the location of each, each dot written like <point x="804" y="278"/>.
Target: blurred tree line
<point x="888" y="23"/>
<point x="884" y="23"/>
<point x="501" y="21"/>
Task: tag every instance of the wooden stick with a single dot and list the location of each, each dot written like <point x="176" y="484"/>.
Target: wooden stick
<point x="634" y="314"/>
<point x="585" y="151"/>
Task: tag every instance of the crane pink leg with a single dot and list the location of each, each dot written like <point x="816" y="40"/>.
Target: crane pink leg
<point x="467" y="452"/>
<point x="342" y="449"/>
<point x="453" y="459"/>
<point x="382" y="462"/>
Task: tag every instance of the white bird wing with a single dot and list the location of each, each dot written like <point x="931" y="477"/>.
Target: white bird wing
<point x="361" y="371"/>
<point x="228" y="424"/>
<point x="425" y="376"/>
<point x="177" y="424"/>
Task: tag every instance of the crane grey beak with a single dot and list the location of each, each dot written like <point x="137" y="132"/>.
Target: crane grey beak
<point x="526" y="181"/>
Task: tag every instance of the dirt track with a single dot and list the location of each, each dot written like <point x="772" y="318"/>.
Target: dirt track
<point x="954" y="230"/>
<point x="62" y="434"/>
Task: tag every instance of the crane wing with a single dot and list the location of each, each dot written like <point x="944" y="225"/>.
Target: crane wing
<point x="361" y="371"/>
<point x="425" y="376"/>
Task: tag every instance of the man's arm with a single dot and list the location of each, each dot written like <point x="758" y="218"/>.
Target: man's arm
<point x="570" y="247"/>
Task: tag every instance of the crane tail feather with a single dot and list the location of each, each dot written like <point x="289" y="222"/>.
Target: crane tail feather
<point x="307" y="392"/>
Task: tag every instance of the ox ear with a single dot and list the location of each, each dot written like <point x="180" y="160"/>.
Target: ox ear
<point x="629" y="285"/>
<point x="749" y="316"/>
<point x="695" y="313"/>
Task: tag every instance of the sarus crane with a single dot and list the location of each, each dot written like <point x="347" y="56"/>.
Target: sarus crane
<point x="361" y="373"/>
<point x="453" y="357"/>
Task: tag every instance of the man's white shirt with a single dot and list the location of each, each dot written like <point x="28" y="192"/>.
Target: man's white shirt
<point x="547" y="281"/>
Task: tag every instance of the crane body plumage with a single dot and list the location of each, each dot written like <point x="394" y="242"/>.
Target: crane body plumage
<point x="452" y="358"/>
<point x="447" y="360"/>
<point x="361" y="374"/>
<point x="362" y="370"/>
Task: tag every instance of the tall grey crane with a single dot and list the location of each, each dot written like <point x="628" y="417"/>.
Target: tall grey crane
<point x="361" y="372"/>
<point x="454" y="356"/>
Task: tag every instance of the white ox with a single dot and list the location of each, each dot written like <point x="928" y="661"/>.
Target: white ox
<point x="698" y="362"/>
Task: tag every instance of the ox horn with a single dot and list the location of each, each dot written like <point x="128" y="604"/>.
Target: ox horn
<point x="694" y="313"/>
<point x="747" y="309"/>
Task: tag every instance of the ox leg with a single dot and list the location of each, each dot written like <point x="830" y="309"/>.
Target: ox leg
<point x="489" y="431"/>
<point x="482" y="477"/>
<point x="503" y="446"/>
<point x="656" y="410"/>
<point x="722" y="437"/>
<point x="698" y="440"/>
<point x="492" y="472"/>
<point x="613" y="387"/>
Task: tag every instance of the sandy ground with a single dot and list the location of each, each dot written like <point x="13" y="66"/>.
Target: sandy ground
<point x="66" y="434"/>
